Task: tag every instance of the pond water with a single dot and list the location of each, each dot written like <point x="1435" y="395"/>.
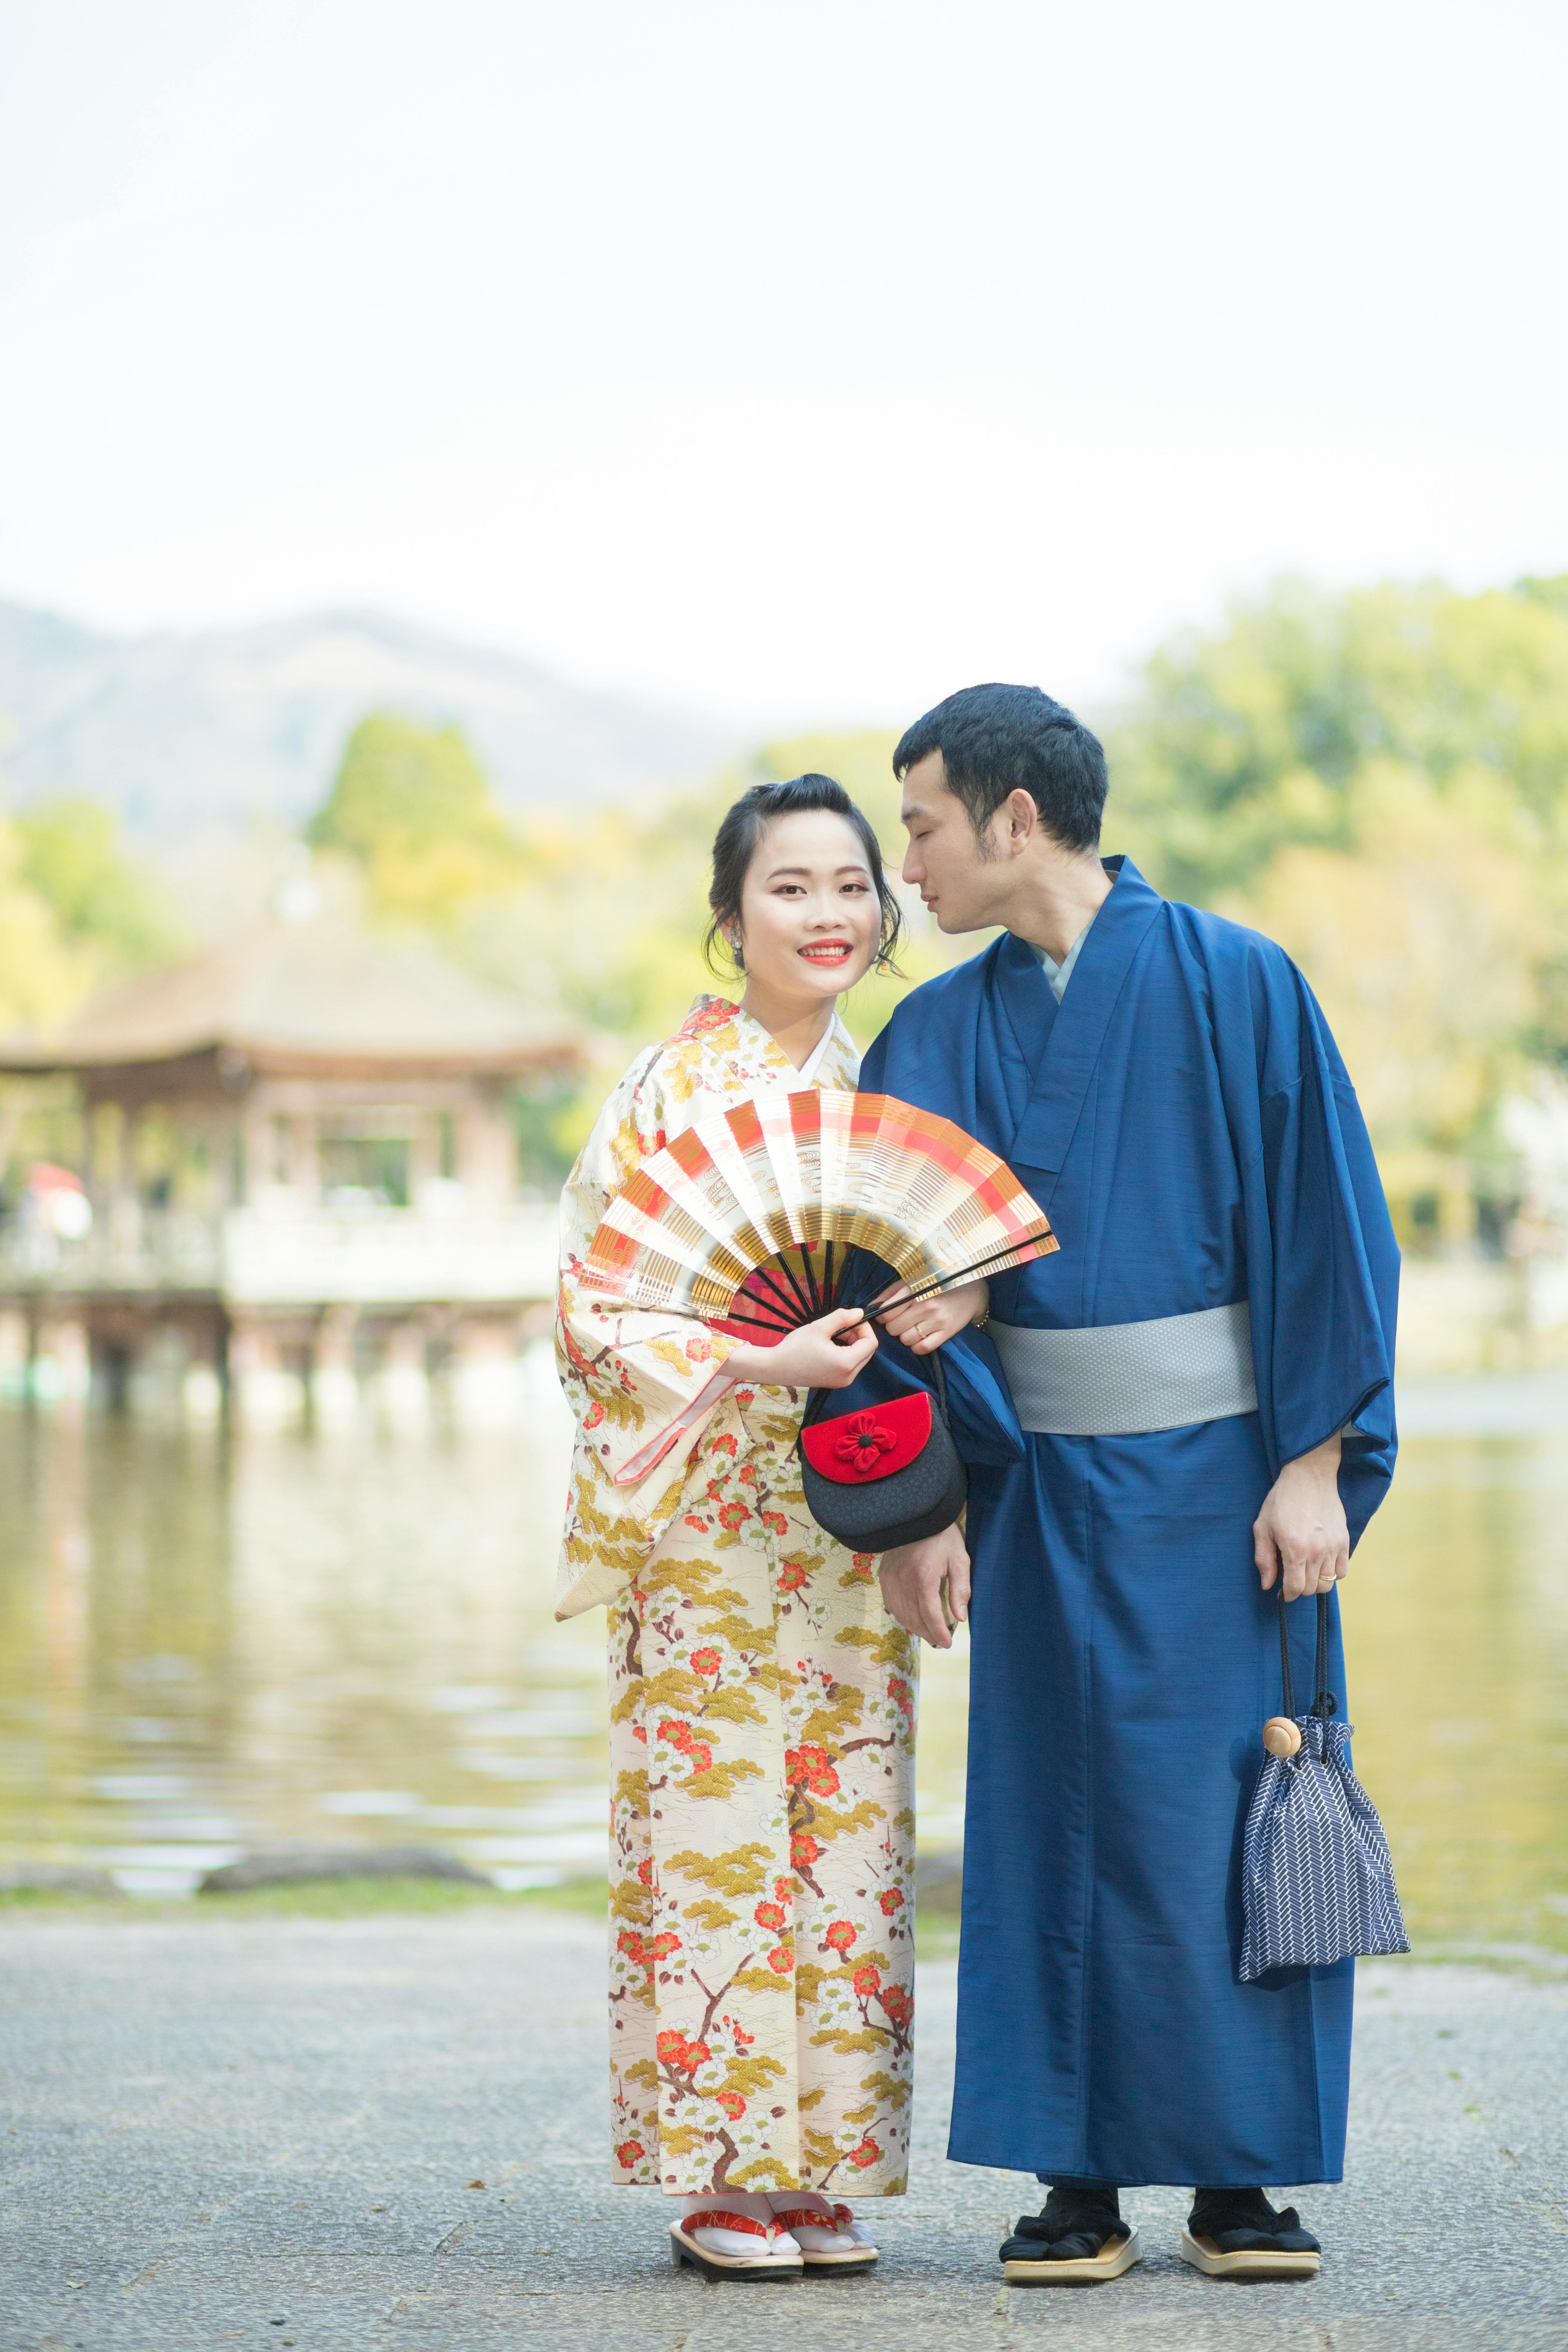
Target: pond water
<point x="209" y="1644"/>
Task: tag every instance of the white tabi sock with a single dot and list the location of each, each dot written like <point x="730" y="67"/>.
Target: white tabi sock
<point x="820" y="2241"/>
<point x="740" y="2243"/>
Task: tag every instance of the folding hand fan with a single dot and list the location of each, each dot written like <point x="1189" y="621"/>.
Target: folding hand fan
<point x="767" y="1200"/>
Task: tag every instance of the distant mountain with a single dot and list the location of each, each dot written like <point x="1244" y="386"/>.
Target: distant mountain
<point x="187" y="732"/>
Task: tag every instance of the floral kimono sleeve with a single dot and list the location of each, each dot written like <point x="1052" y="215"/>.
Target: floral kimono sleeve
<point x="638" y="1381"/>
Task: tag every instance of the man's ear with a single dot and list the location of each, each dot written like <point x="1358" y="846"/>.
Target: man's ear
<point x="1023" y="823"/>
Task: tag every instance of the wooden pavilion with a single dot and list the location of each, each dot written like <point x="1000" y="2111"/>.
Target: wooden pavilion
<point x="300" y="1145"/>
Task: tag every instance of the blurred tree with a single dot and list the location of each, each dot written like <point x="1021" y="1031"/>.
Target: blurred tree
<point x="1246" y="740"/>
<point x="42" y="974"/>
<point x="413" y="808"/>
<point x="1378" y="780"/>
<point x="71" y="855"/>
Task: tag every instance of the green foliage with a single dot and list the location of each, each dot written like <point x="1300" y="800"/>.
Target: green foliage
<point x="413" y="808"/>
<point x="1379" y="780"/>
<point x="1259" y="736"/>
<point x="101" y="899"/>
<point x="74" y="912"/>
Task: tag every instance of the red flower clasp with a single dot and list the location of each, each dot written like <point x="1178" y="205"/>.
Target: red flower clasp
<point x="863" y="1444"/>
<point x="856" y="1447"/>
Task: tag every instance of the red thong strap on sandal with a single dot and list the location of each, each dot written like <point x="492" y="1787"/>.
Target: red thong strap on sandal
<point x="839" y="2219"/>
<point x="720" y="2219"/>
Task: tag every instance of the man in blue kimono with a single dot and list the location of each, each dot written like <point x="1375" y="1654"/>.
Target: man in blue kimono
<point x="1202" y="1379"/>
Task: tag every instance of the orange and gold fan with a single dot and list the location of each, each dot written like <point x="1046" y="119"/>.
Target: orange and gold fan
<point x="749" y="1217"/>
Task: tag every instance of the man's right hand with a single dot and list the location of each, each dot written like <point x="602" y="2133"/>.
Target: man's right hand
<point x="808" y="1357"/>
<point x="911" y="1585"/>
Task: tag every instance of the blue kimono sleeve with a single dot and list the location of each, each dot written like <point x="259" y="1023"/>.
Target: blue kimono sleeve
<point x="1322" y="1261"/>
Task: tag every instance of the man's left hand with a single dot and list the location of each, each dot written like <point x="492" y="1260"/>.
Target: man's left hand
<point x="1300" y="1532"/>
<point x="912" y="1579"/>
<point x="926" y="1324"/>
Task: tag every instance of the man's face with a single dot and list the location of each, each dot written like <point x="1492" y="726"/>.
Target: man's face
<point x="961" y="876"/>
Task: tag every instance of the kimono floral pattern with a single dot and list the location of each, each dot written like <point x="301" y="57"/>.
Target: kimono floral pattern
<point x="762" y="1721"/>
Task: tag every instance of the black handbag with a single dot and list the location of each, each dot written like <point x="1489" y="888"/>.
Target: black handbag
<point x="886" y="1474"/>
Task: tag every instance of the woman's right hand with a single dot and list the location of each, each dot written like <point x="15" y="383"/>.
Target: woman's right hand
<point x="808" y="1358"/>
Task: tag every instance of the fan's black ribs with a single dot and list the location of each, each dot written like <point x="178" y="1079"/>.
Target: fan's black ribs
<point x="801" y="1299"/>
<point x="785" y="1301"/>
<point x="763" y="1322"/>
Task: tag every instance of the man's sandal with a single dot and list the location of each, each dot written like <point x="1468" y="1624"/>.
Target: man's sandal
<point x="826" y="2236"/>
<point x="726" y="2253"/>
<point x="1245" y="2238"/>
<point x="1100" y="2247"/>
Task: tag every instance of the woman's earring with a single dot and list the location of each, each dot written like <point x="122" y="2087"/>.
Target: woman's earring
<point x="734" y="945"/>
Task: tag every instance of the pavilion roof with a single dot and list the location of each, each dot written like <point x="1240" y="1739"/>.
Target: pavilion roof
<point x="305" y="997"/>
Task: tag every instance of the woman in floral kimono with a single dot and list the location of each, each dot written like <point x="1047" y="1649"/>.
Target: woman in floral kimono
<point x="763" y="1706"/>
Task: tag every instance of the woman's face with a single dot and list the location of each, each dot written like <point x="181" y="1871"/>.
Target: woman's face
<point x="810" y="920"/>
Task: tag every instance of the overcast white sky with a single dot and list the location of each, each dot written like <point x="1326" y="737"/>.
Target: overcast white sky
<point x="791" y="362"/>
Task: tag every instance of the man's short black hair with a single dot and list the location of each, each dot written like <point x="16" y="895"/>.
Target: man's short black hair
<point x="996" y="740"/>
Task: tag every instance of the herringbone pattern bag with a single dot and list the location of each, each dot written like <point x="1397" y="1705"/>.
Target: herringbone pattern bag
<point x="1317" y="1878"/>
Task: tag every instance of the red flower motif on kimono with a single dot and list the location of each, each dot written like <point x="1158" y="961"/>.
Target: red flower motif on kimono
<point x="776" y="1521"/>
<point x="769" y="1916"/>
<point x="628" y="2152"/>
<point x="709" y="1013"/>
<point x="725" y="1445"/>
<point x="631" y="1944"/>
<point x="792" y="1575"/>
<point x="810" y="1767"/>
<point x="840" y="1936"/>
<point x="706" y="1662"/>
<point x="785" y="1890"/>
<point x="684" y="2056"/>
<point x="731" y="2102"/>
<point x="699" y="1349"/>
<point x="891" y="1899"/>
<point x="662" y="1946"/>
<point x="899" y="1692"/>
<point x="866" y="2154"/>
<point x="701" y="1525"/>
<point x="897" y="2004"/>
<point x="803" y="1849"/>
<point x="594" y="1416"/>
<point x="638" y="1733"/>
<point x="863" y="1563"/>
<point x="645" y="1868"/>
<point x="734" y="1513"/>
<point x="746" y="1475"/>
<point x="700" y="1756"/>
<point x="743" y="2038"/>
<point x="677" y="1734"/>
<point x="781" y="1961"/>
<point x="868" y="1980"/>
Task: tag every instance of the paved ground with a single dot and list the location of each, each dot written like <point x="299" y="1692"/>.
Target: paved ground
<point x="261" y="2133"/>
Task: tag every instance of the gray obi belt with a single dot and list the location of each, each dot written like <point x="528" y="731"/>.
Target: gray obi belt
<point x="1129" y="1379"/>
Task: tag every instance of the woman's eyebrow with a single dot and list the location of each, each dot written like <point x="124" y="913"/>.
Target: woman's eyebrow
<point x="783" y="873"/>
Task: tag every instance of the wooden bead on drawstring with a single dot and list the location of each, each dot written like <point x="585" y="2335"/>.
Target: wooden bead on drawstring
<point x="1281" y="1737"/>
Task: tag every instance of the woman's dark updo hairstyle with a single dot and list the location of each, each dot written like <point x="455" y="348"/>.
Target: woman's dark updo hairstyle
<point x="735" y="846"/>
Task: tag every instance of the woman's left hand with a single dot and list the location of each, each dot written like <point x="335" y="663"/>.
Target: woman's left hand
<point x="924" y="1325"/>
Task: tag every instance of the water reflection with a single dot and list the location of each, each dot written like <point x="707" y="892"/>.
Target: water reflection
<point x="206" y="1646"/>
